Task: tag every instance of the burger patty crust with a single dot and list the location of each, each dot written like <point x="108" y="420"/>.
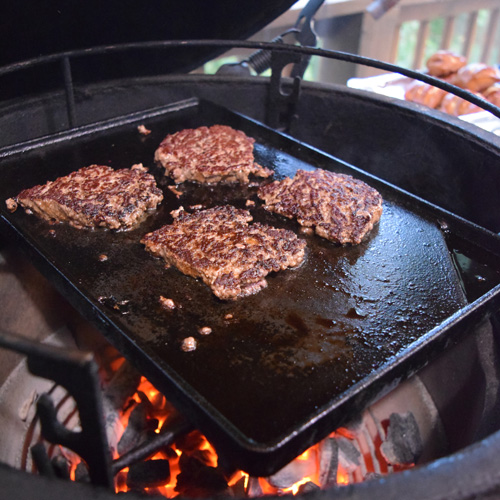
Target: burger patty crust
<point x="94" y="196"/>
<point x="339" y="208"/>
<point x="209" y="155"/>
<point x="219" y="246"/>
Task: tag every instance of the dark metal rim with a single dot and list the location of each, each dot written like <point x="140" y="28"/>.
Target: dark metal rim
<point x="64" y="58"/>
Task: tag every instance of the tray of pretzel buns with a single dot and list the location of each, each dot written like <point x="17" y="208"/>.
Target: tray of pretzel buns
<point x="479" y="78"/>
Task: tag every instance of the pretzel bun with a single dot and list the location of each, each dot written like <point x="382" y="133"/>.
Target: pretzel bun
<point x="477" y="77"/>
<point x="444" y="63"/>
<point x="492" y="94"/>
<point x="426" y="94"/>
<point x="456" y="106"/>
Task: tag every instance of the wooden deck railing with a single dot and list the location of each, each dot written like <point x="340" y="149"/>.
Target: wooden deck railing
<point x="381" y="38"/>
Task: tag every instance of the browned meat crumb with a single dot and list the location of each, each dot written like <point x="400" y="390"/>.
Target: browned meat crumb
<point x="250" y="203"/>
<point x="175" y="191"/>
<point x="167" y="303"/>
<point x="95" y="196"/>
<point x="143" y="130"/>
<point x="209" y="155"/>
<point x="103" y="257"/>
<point x="229" y="255"/>
<point x="228" y="316"/>
<point x="340" y="208"/>
<point x="205" y="330"/>
<point x="189" y="344"/>
<point x="11" y="204"/>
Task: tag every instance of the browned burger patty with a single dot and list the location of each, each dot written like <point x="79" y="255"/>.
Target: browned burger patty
<point x="209" y="155"/>
<point x="340" y="208"/>
<point x="94" y="196"/>
<point x="219" y="246"/>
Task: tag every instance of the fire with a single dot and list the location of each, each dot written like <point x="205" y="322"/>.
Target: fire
<point x="161" y="413"/>
<point x="191" y="464"/>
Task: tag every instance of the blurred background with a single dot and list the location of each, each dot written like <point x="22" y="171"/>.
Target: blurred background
<point x="404" y="32"/>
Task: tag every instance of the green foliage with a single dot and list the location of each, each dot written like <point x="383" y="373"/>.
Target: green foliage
<point x="408" y="35"/>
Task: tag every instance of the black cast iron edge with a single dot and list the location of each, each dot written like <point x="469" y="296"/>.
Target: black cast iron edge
<point x="95" y="127"/>
<point x="385" y="378"/>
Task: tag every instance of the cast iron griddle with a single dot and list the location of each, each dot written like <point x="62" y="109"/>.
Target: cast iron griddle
<point x="295" y="360"/>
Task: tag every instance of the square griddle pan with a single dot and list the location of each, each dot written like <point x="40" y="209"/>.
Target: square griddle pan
<point x="285" y="367"/>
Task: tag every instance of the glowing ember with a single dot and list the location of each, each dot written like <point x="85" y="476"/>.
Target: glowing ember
<point x="189" y="466"/>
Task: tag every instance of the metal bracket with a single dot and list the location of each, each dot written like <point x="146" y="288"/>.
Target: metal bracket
<point x="281" y="106"/>
<point x="77" y="373"/>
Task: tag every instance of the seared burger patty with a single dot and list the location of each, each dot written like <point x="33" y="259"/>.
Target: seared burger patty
<point x="219" y="246"/>
<point x="94" y="196"/>
<point x="209" y="155"/>
<point x="340" y="208"/>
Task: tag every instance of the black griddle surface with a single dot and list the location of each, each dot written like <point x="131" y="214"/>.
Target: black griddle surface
<point x="308" y="351"/>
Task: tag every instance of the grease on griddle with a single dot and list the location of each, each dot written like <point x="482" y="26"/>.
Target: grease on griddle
<point x="113" y="303"/>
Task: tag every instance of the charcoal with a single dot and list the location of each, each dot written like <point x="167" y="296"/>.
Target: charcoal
<point x="198" y="479"/>
<point x="373" y="475"/>
<point x="188" y="443"/>
<point x="328" y="462"/>
<point x="169" y="452"/>
<point x="136" y="430"/>
<point x="308" y="487"/>
<point x="150" y="473"/>
<point x="82" y="473"/>
<point x="61" y="467"/>
<point x="122" y="386"/>
<point x="204" y="456"/>
<point x="238" y="488"/>
<point x="120" y="389"/>
<point x="292" y="473"/>
<point x="349" y="455"/>
<point x="254" y="489"/>
<point x="403" y="445"/>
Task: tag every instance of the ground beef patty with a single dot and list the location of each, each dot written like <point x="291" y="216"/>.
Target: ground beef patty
<point x="218" y="245"/>
<point x="94" y="196"/>
<point x="209" y="155"/>
<point x="340" y="208"/>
